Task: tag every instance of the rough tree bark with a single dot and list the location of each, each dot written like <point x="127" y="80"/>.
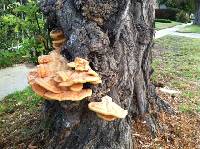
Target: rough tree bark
<point x="197" y="14"/>
<point x="116" y="37"/>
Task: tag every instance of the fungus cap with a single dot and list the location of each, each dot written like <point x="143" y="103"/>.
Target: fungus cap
<point x="83" y="78"/>
<point x="55" y="34"/>
<point x="80" y="64"/>
<point x="41" y="70"/>
<point x="44" y="59"/>
<point x="66" y="84"/>
<point x="38" y="89"/>
<point x="32" y="76"/>
<point x="76" y="87"/>
<point x="96" y="82"/>
<point x="106" y="117"/>
<point x="92" y="73"/>
<point x="60" y="41"/>
<point x="63" y="76"/>
<point x="48" y="84"/>
<point x="57" y="79"/>
<point x="75" y="77"/>
<point x="107" y="107"/>
<point x="69" y="95"/>
<point x="54" y="80"/>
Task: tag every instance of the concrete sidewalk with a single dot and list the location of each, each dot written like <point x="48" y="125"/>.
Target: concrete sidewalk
<point x="13" y="79"/>
<point x="172" y="31"/>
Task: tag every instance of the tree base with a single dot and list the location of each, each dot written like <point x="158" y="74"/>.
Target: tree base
<point x="72" y="128"/>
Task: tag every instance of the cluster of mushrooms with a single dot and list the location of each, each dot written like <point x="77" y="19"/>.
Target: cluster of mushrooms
<point x="56" y="79"/>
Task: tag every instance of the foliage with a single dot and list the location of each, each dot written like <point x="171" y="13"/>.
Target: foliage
<point x="167" y="2"/>
<point x="8" y="58"/>
<point x="22" y="24"/>
<point x="182" y="17"/>
<point x="169" y="13"/>
<point x="185" y="5"/>
<point x="163" y="20"/>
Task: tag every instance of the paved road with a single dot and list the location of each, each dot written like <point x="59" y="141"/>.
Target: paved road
<point x="172" y="31"/>
<point x="13" y="79"/>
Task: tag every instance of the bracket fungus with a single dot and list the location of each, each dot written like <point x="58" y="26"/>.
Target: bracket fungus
<point x="58" y="39"/>
<point x="107" y="109"/>
<point x="56" y="79"/>
<point x="80" y="64"/>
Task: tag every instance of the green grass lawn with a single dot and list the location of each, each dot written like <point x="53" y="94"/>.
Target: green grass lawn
<point x="159" y="25"/>
<point x="178" y="67"/>
<point x="21" y="99"/>
<point x="20" y="119"/>
<point x="191" y="29"/>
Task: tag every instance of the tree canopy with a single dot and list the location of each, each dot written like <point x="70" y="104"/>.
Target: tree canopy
<point x="186" y="5"/>
<point x="22" y="25"/>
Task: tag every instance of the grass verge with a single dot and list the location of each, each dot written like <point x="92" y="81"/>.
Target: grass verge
<point x="20" y="99"/>
<point x="20" y="119"/>
<point x="179" y="68"/>
<point x="176" y="63"/>
<point x="160" y="25"/>
<point x="190" y="29"/>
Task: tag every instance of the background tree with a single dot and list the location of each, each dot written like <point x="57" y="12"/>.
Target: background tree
<point x="186" y="5"/>
<point x="22" y="30"/>
<point x="116" y="36"/>
<point x="197" y="12"/>
<point x="189" y="6"/>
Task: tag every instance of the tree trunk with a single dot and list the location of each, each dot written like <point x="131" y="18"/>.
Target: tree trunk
<point x="116" y="37"/>
<point x="197" y="14"/>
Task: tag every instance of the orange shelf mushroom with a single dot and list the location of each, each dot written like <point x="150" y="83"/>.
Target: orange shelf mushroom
<point x="49" y="64"/>
<point x="48" y="84"/>
<point x="79" y="77"/>
<point x="38" y="89"/>
<point x="56" y="79"/>
<point x="76" y="87"/>
<point x="106" y="117"/>
<point x="80" y="64"/>
<point x="69" y="95"/>
<point x="107" y="109"/>
<point x="53" y="79"/>
<point x="58" y="39"/>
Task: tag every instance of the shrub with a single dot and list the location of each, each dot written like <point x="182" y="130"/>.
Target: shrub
<point x="163" y="20"/>
<point x="32" y="48"/>
<point x="9" y="58"/>
<point x="182" y="17"/>
<point x="169" y="13"/>
<point x="28" y="32"/>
